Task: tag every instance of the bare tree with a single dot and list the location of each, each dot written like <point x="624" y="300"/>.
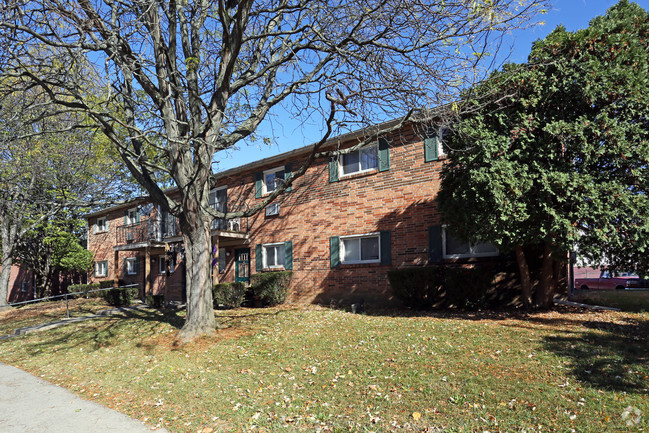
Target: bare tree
<point x="192" y="78"/>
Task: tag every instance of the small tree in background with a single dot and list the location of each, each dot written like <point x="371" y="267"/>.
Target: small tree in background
<point x="561" y="157"/>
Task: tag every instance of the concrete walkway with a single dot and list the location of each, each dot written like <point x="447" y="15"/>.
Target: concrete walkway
<point x="29" y="404"/>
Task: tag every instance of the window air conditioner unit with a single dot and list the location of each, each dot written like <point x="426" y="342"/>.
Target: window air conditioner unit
<point x="272" y="209"/>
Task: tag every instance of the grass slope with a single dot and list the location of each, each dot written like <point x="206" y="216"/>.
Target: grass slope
<point x="321" y="370"/>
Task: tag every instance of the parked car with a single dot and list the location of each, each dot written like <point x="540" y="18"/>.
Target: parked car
<point x="608" y="281"/>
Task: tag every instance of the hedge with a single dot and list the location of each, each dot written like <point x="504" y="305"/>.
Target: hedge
<point x="229" y="294"/>
<point x="271" y="288"/>
<point x="120" y="297"/>
<point x="417" y="288"/>
<point x="424" y="287"/>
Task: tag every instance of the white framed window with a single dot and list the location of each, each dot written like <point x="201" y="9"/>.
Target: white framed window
<point x="101" y="226"/>
<point x="101" y="268"/>
<point x="24" y="286"/>
<point x="162" y="264"/>
<point x="272" y="209"/>
<point x="454" y="248"/>
<point x="131" y="265"/>
<point x="273" y="255"/>
<point x="218" y="200"/>
<point x="131" y="217"/>
<point x="364" y="248"/>
<point x="359" y="161"/>
<point x="272" y="179"/>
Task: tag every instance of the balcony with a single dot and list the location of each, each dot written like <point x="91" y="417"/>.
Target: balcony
<point x="154" y="230"/>
<point x="147" y="230"/>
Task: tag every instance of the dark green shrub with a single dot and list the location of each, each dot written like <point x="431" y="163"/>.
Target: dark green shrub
<point x="84" y="289"/>
<point x="107" y="283"/>
<point x="154" y="301"/>
<point x="417" y="287"/>
<point x="467" y="288"/>
<point x="120" y="297"/>
<point x="271" y="288"/>
<point x="229" y="294"/>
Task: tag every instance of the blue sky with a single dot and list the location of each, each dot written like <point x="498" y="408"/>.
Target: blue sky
<point x="288" y="135"/>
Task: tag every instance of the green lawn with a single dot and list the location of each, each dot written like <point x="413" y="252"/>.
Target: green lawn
<point x="44" y="312"/>
<point x="320" y="370"/>
<point x="627" y="300"/>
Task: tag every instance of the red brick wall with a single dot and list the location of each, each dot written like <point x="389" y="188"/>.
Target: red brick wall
<point x="400" y="200"/>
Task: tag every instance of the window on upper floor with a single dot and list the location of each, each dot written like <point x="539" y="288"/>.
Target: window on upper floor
<point x="101" y="225"/>
<point x="101" y="268"/>
<point x="359" y="161"/>
<point x="360" y="248"/>
<point x="131" y="266"/>
<point x="272" y="179"/>
<point x="131" y="217"/>
<point x="218" y="201"/>
<point x="454" y="248"/>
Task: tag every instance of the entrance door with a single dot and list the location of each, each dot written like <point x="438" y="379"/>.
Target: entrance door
<point x="242" y="265"/>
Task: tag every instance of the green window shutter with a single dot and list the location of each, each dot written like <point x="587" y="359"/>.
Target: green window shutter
<point x="137" y="217"/>
<point x="431" y="149"/>
<point x="435" y="244"/>
<point x="333" y="169"/>
<point x="125" y="217"/>
<point x="386" y="248"/>
<point x="384" y="155"/>
<point x="259" y="260"/>
<point x="334" y="243"/>
<point x="124" y="273"/>
<point x="258" y="179"/>
<point x="287" y="172"/>
<point x="288" y="255"/>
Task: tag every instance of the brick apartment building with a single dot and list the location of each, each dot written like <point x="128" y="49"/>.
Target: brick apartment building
<point x="340" y="228"/>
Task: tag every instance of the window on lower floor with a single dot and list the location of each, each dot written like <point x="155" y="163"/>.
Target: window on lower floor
<point x="454" y="247"/>
<point x="274" y="255"/>
<point x="101" y="268"/>
<point x="24" y="286"/>
<point x="162" y="264"/>
<point x="361" y="249"/>
<point x="130" y="265"/>
<point x="364" y="159"/>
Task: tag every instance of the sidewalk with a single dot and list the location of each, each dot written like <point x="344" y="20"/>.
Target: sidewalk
<point x="29" y="404"/>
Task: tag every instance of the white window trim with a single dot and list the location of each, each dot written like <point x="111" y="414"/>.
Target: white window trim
<point x="264" y="189"/>
<point x="105" y="273"/>
<point x="130" y="222"/>
<point x="463" y="256"/>
<point x="341" y="173"/>
<point x="356" y="262"/>
<point x="163" y="269"/>
<point x="218" y="188"/>
<point x="105" y="225"/>
<point x="263" y="253"/>
<point x="130" y="260"/>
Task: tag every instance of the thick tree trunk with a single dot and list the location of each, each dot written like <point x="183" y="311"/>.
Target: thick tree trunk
<point x="200" y="308"/>
<point x="547" y="280"/>
<point x="4" y="279"/>
<point x="524" y="273"/>
<point x="8" y="236"/>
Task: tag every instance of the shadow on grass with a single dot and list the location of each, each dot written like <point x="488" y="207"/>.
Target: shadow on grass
<point x="105" y="331"/>
<point x="606" y="355"/>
